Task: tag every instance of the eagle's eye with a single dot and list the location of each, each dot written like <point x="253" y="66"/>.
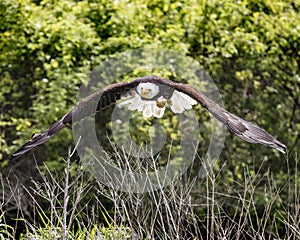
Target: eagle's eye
<point x="150" y="90"/>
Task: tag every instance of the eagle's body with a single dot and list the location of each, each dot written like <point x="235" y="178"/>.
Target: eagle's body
<point x="151" y="99"/>
<point x="151" y="95"/>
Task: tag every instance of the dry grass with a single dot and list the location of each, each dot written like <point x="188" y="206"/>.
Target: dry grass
<point x="75" y="206"/>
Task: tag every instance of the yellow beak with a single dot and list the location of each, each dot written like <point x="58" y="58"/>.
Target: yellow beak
<point x="144" y="92"/>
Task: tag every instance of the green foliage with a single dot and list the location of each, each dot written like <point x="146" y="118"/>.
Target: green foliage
<point x="89" y="232"/>
<point x="48" y="48"/>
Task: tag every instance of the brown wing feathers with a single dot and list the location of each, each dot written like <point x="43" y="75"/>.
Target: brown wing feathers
<point x="240" y="127"/>
<point x="88" y="106"/>
<point x="252" y="133"/>
<point x="110" y="94"/>
<point x="38" y="139"/>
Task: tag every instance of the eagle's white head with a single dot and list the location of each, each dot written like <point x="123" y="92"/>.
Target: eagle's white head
<point x="147" y="90"/>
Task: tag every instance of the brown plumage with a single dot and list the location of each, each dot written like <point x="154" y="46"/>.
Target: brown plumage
<point x="110" y="94"/>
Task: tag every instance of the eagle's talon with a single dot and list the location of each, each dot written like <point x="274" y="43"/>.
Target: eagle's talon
<point x="160" y="104"/>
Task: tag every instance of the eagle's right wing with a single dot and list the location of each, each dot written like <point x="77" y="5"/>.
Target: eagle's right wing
<point x="88" y="106"/>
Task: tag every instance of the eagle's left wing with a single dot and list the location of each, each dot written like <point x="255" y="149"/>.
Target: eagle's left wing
<point x="240" y="127"/>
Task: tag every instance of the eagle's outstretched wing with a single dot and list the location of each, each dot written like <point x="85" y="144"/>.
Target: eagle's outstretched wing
<point x="240" y="127"/>
<point x="110" y="94"/>
<point x="88" y="106"/>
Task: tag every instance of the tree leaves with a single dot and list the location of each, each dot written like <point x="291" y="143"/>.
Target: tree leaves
<point x="48" y="49"/>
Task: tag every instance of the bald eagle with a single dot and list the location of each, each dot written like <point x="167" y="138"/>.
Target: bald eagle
<point x="151" y="95"/>
<point x="151" y="99"/>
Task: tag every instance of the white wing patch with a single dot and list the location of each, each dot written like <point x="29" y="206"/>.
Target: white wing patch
<point x="148" y="108"/>
<point x="151" y="109"/>
<point x="178" y="103"/>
